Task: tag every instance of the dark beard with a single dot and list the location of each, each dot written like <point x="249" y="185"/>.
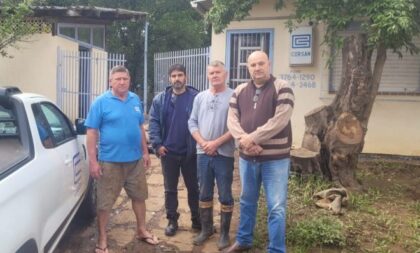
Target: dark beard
<point x="178" y="85"/>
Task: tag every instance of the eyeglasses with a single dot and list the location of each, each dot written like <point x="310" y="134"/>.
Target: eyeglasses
<point x="256" y="96"/>
<point x="212" y="105"/>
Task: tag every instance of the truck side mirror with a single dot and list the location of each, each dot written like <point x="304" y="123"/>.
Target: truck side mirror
<point x="80" y="126"/>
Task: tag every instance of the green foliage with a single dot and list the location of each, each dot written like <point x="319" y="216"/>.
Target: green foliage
<point x="177" y="31"/>
<point x="13" y="27"/>
<point x="224" y="11"/>
<point x="393" y="23"/>
<point x="317" y="231"/>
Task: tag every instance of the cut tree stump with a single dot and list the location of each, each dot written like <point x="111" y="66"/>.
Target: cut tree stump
<point x="344" y="141"/>
<point x="305" y="161"/>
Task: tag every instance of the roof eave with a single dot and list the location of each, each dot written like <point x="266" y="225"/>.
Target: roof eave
<point x="88" y="12"/>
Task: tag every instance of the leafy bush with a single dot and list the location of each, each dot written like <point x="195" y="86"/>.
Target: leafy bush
<point x="317" y="231"/>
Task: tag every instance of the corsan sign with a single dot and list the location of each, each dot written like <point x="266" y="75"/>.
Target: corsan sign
<point x="301" y="46"/>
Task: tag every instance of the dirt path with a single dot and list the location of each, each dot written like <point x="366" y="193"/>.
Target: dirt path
<point x="121" y="229"/>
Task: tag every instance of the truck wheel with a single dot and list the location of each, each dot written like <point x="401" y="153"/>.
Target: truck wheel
<point x="87" y="211"/>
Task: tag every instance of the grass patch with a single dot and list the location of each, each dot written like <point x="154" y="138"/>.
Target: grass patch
<point x="416" y="207"/>
<point x="364" y="201"/>
<point x="317" y="231"/>
<point x="301" y="190"/>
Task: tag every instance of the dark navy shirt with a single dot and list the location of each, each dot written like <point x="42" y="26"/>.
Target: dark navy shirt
<point x="176" y="121"/>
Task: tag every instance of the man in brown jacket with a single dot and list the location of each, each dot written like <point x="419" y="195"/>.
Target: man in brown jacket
<point x="259" y="119"/>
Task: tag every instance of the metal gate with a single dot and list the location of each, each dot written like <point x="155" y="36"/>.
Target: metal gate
<point x="195" y="60"/>
<point x="81" y="77"/>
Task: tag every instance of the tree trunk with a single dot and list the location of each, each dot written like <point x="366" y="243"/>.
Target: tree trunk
<point x="340" y="127"/>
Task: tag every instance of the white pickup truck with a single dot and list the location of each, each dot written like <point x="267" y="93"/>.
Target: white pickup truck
<point x="44" y="176"/>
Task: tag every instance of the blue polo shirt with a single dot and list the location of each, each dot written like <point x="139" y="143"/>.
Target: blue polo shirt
<point x="118" y="123"/>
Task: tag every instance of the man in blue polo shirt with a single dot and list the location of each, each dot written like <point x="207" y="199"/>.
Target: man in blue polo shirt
<point x="115" y="124"/>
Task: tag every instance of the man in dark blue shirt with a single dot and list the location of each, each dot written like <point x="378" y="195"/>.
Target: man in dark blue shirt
<point x="173" y="143"/>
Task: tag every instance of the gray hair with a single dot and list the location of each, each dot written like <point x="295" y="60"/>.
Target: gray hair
<point x="216" y="63"/>
<point x="119" y="68"/>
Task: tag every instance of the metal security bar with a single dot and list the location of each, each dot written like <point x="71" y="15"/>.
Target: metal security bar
<point x="195" y="60"/>
<point x="81" y="77"/>
<point x="242" y="44"/>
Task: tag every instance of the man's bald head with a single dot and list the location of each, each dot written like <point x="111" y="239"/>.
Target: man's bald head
<point x="259" y="67"/>
<point x="258" y="54"/>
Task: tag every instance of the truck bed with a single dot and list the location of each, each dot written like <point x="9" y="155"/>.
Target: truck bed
<point x="11" y="151"/>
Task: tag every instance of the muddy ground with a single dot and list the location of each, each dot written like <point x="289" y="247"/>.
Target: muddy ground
<point x="81" y="238"/>
<point x="395" y="183"/>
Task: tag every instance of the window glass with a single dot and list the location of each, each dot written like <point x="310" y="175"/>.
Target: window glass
<point x="83" y="34"/>
<point x="42" y="126"/>
<point x="93" y="35"/>
<point x="98" y="36"/>
<point x="58" y="124"/>
<point x="14" y="145"/>
<point x="68" y="31"/>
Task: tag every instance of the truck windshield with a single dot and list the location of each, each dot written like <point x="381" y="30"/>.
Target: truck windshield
<point x="13" y="147"/>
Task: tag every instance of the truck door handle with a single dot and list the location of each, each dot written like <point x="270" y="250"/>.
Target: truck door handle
<point x="67" y="162"/>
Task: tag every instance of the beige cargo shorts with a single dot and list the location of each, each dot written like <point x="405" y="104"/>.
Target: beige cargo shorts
<point x="115" y="176"/>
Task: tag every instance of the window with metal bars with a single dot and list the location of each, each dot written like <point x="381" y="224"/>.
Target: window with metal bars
<point x="241" y="43"/>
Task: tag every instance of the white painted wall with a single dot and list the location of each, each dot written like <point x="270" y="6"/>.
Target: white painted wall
<point x="33" y="67"/>
<point x="394" y="126"/>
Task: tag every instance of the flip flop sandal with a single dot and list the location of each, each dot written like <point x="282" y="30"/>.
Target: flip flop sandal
<point x="101" y="250"/>
<point x="151" y="240"/>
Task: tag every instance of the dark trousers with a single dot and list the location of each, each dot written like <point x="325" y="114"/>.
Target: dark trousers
<point x="172" y="165"/>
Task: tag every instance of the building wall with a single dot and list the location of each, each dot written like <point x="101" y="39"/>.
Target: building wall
<point x="33" y="67"/>
<point x="394" y="126"/>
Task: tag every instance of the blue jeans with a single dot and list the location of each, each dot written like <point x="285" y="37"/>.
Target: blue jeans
<point x="274" y="177"/>
<point x="215" y="167"/>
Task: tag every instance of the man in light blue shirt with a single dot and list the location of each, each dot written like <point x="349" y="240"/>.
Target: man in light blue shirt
<point x="215" y="149"/>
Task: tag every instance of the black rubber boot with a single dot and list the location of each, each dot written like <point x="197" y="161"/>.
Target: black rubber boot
<point x="206" y="216"/>
<point x="225" y="218"/>
<point x="172" y="227"/>
<point x="196" y="223"/>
